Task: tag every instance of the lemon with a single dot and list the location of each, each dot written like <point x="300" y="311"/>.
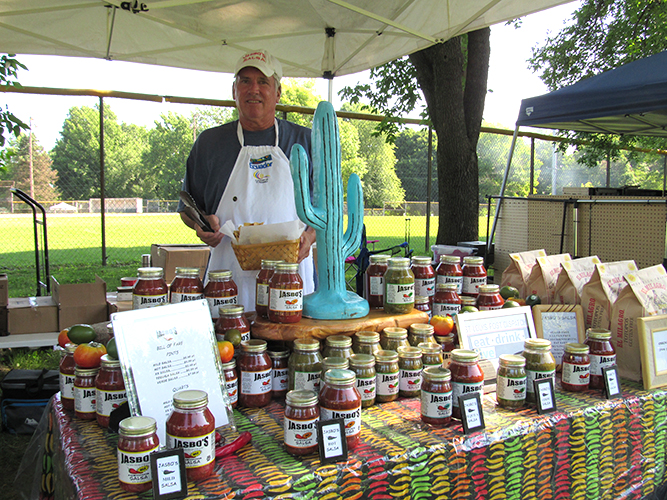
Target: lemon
<point x="508" y="291"/>
<point x="468" y="309"/>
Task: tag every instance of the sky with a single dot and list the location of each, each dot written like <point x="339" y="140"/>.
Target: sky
<point x="509" y="81"/>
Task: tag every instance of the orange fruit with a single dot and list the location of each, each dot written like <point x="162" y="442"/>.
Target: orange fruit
<point x="442" y="325"/>
<point x="226" y="350"/>
<point x="63" y="338"/>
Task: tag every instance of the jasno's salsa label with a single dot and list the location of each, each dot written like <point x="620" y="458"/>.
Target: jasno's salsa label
<point x="199" y="450"/>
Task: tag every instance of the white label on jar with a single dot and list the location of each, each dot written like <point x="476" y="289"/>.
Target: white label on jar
<point x="214" y="304"/>
<point x="84" y="399"/>
<point x="262" y="297"/>
<point x="135" y="467"/>
<point x="177" y="298"/>
<point x="446" y="359"/>
<point x="489" y="308"/>
<point x="300" y="433"/>
<point x="66" y="386"/>
<point x="457" y="280"/>
<point x="377" y="285"/>
<point x="598" y="362"/>
<point x="366" y="387"/>
<point x="146" y="301"/>
<point x="409" y="380"/>
<point x="576" y="374"/>
<point x="232" y="386"/>
<point x="386" y="384"/>
<point x="532" y="376"/>
<point x="199" y="450"/>
<point x="511" y="389"/>
<point x="461" y="389"/>
<point x="471" y="284"/>
<point x="108" y="401"/>
<point x="351" y="417"/>
<point x="436" y="405"/>
<point x="286" y="300"/>
<point x="442" y="309"/>
<point x="307" y="381"/>
<point x="425" y="287"/>
<point x="254" y="383"/>
<point x="280" y="381"/>
<point x="245" y="336"/>
<point x="400" y="294"/>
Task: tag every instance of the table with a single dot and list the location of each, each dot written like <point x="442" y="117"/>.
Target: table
<point x="590" y="448"/>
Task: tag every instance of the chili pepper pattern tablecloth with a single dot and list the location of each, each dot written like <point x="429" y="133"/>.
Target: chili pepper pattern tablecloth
<point x="591" y="448"/>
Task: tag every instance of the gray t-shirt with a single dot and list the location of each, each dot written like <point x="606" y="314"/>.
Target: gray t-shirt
<point x="215" y="151"/>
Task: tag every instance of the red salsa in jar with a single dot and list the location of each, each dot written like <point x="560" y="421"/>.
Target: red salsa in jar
<point x="232" y="317"/>
<point x="285" y="294"/>
<point x="602" y="354"/>
<point x="255" y="369"/>
<point x="300" y="425"/>
<point x="449" y="271"/>
<point x="191" y="426"/>
<point x="339" y="398"/>
<point x="186" y="285"/>
<point x="576" y="367"/>
<point x="489" y="298"/>
<point x="424" y="304"/>
<point x="221" y="290"/>
<point x="374" y="280"/>
<point x="110" y="389"/>
<point x="424" y="277"/>
<point x="66" y="368"/>
<point x="151" y="289"/>
<point x="446" y="301"/>
<point x="279" y="375"/>
<point x="474" y="275"/>
<point x="262" y="287"/>
<point x="85" y="392"/>
<point x="137" y="439"/>
<point x="467" y="377"/>
<point x="436" y="396"/>
<point x="231" y="382"/>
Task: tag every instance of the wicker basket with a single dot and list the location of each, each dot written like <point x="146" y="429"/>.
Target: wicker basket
<point x="250" y="256"/>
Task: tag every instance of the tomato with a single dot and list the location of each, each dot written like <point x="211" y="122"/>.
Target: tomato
<point x="63" y="339"/>
<point x="112" y="350"/>
<point x="88" y="355"/>
<point x="81" y="334"/>
<point x="226" y="349"/>
<point x="442" y="325"/>
<point x="533" y="300"/>
<point x="508" y="291"/>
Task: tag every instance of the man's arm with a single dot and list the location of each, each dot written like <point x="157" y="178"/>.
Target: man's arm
<point x="307" y="240"/>
<point x="212" y="239"/>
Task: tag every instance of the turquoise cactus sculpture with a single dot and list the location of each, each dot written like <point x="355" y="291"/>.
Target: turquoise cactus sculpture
<point x="324" y="213"/>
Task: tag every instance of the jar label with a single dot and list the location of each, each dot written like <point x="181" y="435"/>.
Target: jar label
<point x="351" y="417"/>
<point x="262" y="295"/>
<point x="134" y="467"/>
<point x="442" y="309"/>
<point x="461" y="389"/>
<point x="108" y="401"/>
<point x="146" y="301"/>
<point x="386" y="384"/>
<point x="400" y="294"/>
<point x="214" y="304"/>
<point x="410" y="380"/>
<point x="366" y="387"/>
<point x="254" y="383"/>
<point x="307" y="381"/>
<point x="511" y="389"/>
<point x="245" y="336"/>
<point x="471" y="284"/>
<point x="576" y="374"/>
<point x="489" y="308"/>
<point x="436" y="404"/>
<point x="286" y="300"/>
<point x="457" y="280"/>
<point x="177" y="298"/>
<point x="199" y="450"/>
<point x="377" y="285"/>
<point x="280" y="381"/>
<point x="232" y="386"/>
<point x="425" y="287"/>
<point x="598" y="362"/>
<point x="532" y="375"/>
<point x="300" y="433"/>
<point x="84" y="399"/>
<point x="66" y="386"/>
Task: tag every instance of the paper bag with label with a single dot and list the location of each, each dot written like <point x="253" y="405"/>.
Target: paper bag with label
<point x="646" y="295"/>
<point x="263" y="233"/>
<point x="544" y="275"/>
<point x="573" y="277"/>
<point x="602" y="290"/>
<point x="518" y="272"/>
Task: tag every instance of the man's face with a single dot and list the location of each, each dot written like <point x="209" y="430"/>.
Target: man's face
<point x="256" y="97"/>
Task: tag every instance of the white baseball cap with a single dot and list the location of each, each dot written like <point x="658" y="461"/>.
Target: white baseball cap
<point x="263" y="61"/>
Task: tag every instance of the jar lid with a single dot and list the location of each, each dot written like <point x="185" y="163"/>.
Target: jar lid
<point x="190" y="399"/>
<point x="188" y="271"/>
<point x="450" y="259"/>
<point x="512" y="360"/>
<point x="137" y="426"/>
<point x="438" y="373"/>
<point x="85" y="372"/>
<point x="488" y="288"/>
<point x="108" y="362"/>
<point x="331" y="362"/>
<point x="539" y="344"/>
<point x="429" y="348"/>
<point x="598" y="334"/>
<point x="230" y="365"/>
<point x="230" y="310"/>
<point x="339" y="341"/>
<point x="379" y="258"/>
<point x="422" y="299"/>
<point x="340" y="377"/>
<point x="278" y="353"/>
<point x="367" y="337"/>
<point x="405" y="351"/>
<point x="301" y="398"/>
<point x="362" y="360"/>
<point x="576" y="348"/>
<point x="422" y="329"/>
<point x="270" y="264"/>
<point x="253" y="345"/>
<point x="150" y="272"/>
<point x="464" y="355"/>
<point x="421" y="260"/>
<point x="220" y="274"/>
<point x="70" y="347"/>
<point x="399" y="262"/>
<point x="444" y="339"/>
<point x="446" y="286"/>
<point x="287" y="267"/>
<point x="386" y="356"/>
<point x="395" y="332"/>
<point x="471" y="259"/>
<point x="467" y="300"/>
<point x="307" y="344"/>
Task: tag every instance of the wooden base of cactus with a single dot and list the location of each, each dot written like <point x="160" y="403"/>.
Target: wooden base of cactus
<point x="327" y="304"/>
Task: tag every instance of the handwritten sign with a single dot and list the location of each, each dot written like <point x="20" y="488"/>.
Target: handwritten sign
<point x="560" y="324"/>
<point x="332" y="443"/>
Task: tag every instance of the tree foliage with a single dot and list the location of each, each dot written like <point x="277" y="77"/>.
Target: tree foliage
<point x="411" y="164"/>
<point x="9" y="123"/>
<point x="19" y="168"/>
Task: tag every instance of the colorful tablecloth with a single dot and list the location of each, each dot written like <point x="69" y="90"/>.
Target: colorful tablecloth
<point x="591" y="448"/>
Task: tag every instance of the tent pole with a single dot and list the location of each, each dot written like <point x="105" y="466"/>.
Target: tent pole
<point x="429" y="170"/>
<point x="664" y="175"/>
<point x="102" y="186"/>
<point x="330" y="98"/>
<point x="502" y="192"/>
<point x="608" y="168"/>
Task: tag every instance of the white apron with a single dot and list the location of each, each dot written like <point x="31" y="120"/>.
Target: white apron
<point x="260" y="189"/>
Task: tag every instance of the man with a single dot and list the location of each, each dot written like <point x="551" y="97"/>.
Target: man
<point x="240" y="171"/>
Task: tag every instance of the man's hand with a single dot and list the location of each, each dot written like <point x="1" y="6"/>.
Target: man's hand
<point x="212" y="239"/>
<point x="307" y="240"/>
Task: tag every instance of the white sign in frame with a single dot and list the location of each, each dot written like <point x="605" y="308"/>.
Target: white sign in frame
<point x="652" y="331"/>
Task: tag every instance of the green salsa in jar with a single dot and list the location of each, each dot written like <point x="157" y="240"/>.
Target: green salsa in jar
<point x="540" y="363"/>
<point x="399" y="287"/>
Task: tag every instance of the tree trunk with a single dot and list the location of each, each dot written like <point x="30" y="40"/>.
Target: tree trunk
<point x="455" y="90"/>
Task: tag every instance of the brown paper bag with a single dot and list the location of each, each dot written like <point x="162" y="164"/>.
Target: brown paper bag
<point x="573" y="277"/>
<point x="543" y="277"/>
<point x="517" y="273"/>
<point x="646" y="295"/>
<point x="602" y="290"/>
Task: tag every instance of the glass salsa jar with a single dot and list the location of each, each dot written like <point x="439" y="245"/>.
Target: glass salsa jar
<point x="386" y="376"/>
<point x="279" y="376"/>
<point x="262" y="287"/>
<point x="424" y="304"/>
<point x="449" y="271"/>
<point x="448" y="343"/>
<point x="393" y="337"/>
<point x="420" y="332"/>
<point x="285" y="294"/>
<point x="576" y="367"/>
<point x="431" y="354"/>
<point x="232" y="317"/>
<point x="602" y="354"/>
<point x="255" y="374"/>
<point x="424" y="277"/>
<point x="374" y="280"/>
<point x="338" y="345"/>
<point x="467" y="377"/>
<point x="399" y="287"/>
<point x="220" y="290"/>
<point x="85" y="392"/>
<point x="66" y="369"/>
<point x="110" y="389"/>
<point x="300" y="425"/>
<point x="231" y="382"/>
<point x="365" y="342"/>
<point x="363" y="365"/>
<point x="489" y="298"/>
<point x="334" y="363"/>
<point x="137" y="439"/>
<point x="540" y="363"/>
<point x="511" y="381"/>
<point x="191" y="426"/>
<point x="339" y="398"/>
<point x="474" y="275"/>
<point x="436" y="396"/>
<point x="446" y="300"/>
<point x="186" y="285"/>
<point x="150" y="290"/>
<point x="305" y="365"/>
<point x="469" y="301"/>
<point x="410" y="371"/>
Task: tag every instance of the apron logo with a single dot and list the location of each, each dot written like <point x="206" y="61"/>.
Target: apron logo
<point x="260" y="178"/>
<point x="260" y="163"/>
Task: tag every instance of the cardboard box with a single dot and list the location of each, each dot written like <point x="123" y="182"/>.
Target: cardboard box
<point x="80" y="302"/>
<point x="4" y="290"/>
<point x="3" y="322"/>
<point x="32" y="315"/>
<point x="169" y="257"/>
